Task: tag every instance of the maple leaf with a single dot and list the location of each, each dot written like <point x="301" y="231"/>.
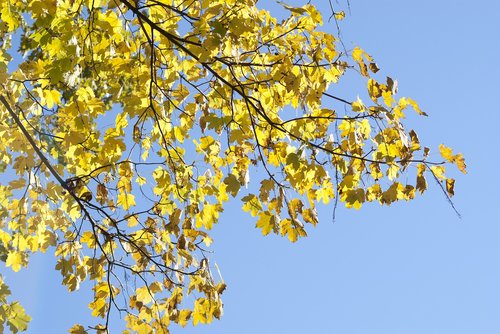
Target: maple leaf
<point x="126" y="200"/>
<point x="15" y="260"/>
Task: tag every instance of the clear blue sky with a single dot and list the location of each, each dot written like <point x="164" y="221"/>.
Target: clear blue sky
<point x="412" y="268"/>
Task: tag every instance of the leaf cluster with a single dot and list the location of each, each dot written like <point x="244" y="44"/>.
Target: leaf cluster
<point x="127" y="126"/>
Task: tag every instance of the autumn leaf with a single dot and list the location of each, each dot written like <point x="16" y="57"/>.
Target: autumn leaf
<point x="17" y="319"/>
<point x="15" y="260"/>
<point x="8" y="17"/>
<point x="458" y="159"/>
<point x="359" y="57"/>
<point x="184" y="316"/>
<point x="77" y="329"/>
<point x="266" y="223"/>
<point x="233" y="185"/>
<point x="295" y="10"/>
<point x="126" y="200"/>
<point x="450" y="186"/>
<point x="340" y="15"/>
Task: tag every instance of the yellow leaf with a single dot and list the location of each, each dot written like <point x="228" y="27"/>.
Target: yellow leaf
<point x="358" y="105"/>
<point x="394" y="193"/>
<point x="415" y="142"/>
<point x="77" y="329"/>
<point x="121" y="123"/>
<point x="207" y="241"/>
<point x="354" y="198"/>
<point x="438" y="172"/>
<point x="416" y="107"/>
<point x="208" y="216"/>
<point x="17" y="319"/>
<point x="184" y="316"/>
<point x="373" y="193"/>
<point x="8" y="17"/>
<point x="51" y="98"/>
<point x="460" y="162"/>
<point x="144" y="295"/>
<point x="387" y="96"/>
<point x="450" y="186"/>
<point x="310" y="216"/>
<point x="457" y="159"/>
<point x="98" y="307"/>
<point x="325" y="193"/>
<point x="393" y="171"/>
<point x="421" y="182"/>
<point x="15" y="260"/>
<point x="17" y="184"/>
<point x="126" y="200"/>
<point x="132" y="221"/>
<point x="340" y="15"/>
<point x="295" y="207"/>
<point x="295" y="10"/>
<point x="358" y="54"/>
<point x="265" y="223"/>
<point x="446" y="153"/>
<point x="314" y="13"/>
<point x="233" y="185"/>
<point x="292" y="235"/>
<point x="251" y="204"/>
<point x="374" y="90"/>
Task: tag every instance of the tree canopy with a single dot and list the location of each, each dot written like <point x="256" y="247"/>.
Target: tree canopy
<point x="126" y="127"/>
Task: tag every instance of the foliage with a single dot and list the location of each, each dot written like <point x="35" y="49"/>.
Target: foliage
<point x="12" y="313"/>
<point x="127" y="125"/>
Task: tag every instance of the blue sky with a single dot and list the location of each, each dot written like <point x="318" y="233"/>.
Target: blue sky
<point x="409" y="268"/>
